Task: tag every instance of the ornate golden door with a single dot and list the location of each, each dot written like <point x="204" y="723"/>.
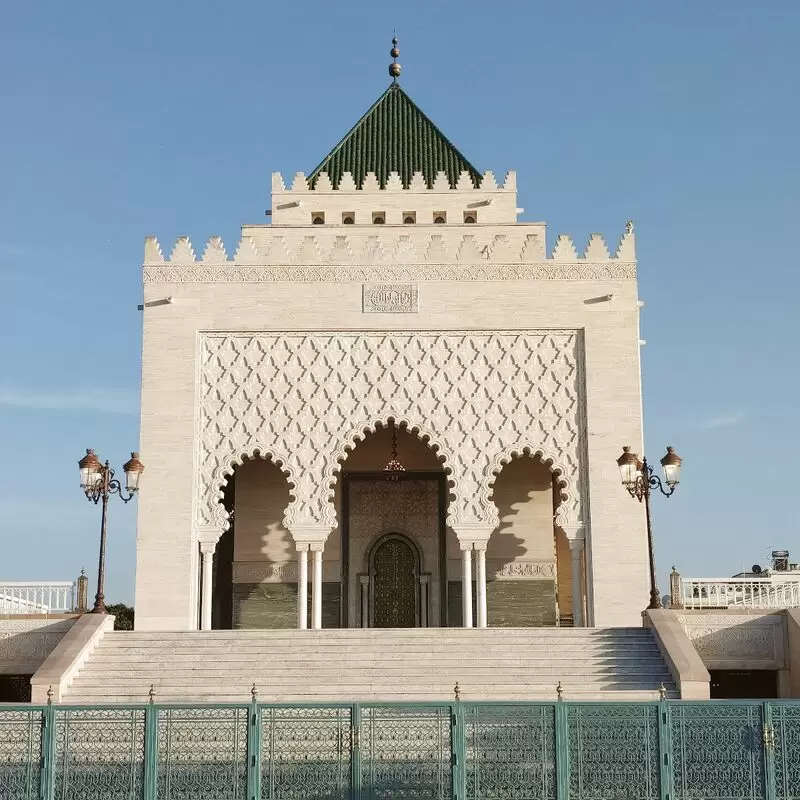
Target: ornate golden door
<point x="394" y="582"/>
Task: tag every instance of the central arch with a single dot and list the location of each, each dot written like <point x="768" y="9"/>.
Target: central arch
<point x="403" y="511"/>
<point x="394" y="571"/>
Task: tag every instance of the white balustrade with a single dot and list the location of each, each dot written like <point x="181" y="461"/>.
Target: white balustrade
<point x="710" y="593"/>
<point x="22" y="597"/>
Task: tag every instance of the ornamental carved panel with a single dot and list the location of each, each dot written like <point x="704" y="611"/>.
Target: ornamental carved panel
<point x="723" y="637"/>
<point x="305" y="399"/>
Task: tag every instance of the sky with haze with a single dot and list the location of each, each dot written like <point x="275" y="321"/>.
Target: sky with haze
<point x="121" y="120"/>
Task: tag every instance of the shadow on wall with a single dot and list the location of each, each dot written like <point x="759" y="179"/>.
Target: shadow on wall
<point x="255" y="570"/>
<point x="523" y="495"/>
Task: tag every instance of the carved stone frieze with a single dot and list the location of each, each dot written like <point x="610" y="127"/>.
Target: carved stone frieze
<point x="392" y="298"/>
<point x="305" y="399"/>
<point x="735" y="636"/>
<point x="26" y="643"/>
<point x="236" y="273"/>
<point x="499" y="569"/>
<point x="264" y="572"/>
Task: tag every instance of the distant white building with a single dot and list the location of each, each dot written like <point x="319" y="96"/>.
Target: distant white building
<point x="774" y="587"/>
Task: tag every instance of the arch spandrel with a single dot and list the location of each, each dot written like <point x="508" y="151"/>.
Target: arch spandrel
<point x="304" y="398"/>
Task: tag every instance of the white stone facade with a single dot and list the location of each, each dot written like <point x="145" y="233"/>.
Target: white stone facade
<point x="314" y="334"/>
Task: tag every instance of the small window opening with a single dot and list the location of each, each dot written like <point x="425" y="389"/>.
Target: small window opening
<point x="318" y="217"/>
<point x="348" y="218"/>
<point x="378" y="217"/>
<point x="409" y="217"/>
<point x="439" y="217"/>
<point x="470" y="217"/>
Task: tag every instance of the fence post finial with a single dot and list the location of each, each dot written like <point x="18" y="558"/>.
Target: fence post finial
<point x="152" y="693"/>
<point x="457" y="691"/>
<point x="50" y="694"/>
<point x="662" y="691"/>
<point x="560" y="691"/>
<point x="254" y="692"/>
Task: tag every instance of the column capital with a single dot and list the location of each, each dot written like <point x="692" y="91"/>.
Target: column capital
<point x="301" y="547"/>
<point x="208" y="535"/>
<point x="310" y="534"/>
<point x="473" y="536"/>
<point x="364" y="580"/>
<point x="208" y="548"/>
<point x="576" y="530"/>
<point x="316" y="547"/>
<point x="576" y="545"/>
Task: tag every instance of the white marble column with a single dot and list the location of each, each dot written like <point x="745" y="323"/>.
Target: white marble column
<point x="466" y="583"/>
<point x="576" y="550"/>
<point x="316" y="587"/>
<point x="480" y="583"/>
<point x="207" y="555"/>
<point x="302" y="586"/>
<point x="309" y="538"/>
<point x="364" y="587"/>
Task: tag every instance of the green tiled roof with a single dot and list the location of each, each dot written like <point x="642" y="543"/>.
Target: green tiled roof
<point x="394" y="136"/>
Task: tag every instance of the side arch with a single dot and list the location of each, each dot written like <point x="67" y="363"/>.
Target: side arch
<point x="336" y="457"/>
<point x="224" y="470"/>
<point x="564" y="480"/>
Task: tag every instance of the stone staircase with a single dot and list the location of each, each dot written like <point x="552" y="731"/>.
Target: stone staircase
<point x="373" y="665"/>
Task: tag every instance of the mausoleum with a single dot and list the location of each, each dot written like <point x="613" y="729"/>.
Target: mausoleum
<point x="396" y="404"/>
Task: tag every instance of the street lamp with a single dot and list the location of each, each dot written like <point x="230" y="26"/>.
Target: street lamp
<point x="640" y="480"/>
<point x="98" y="483"/>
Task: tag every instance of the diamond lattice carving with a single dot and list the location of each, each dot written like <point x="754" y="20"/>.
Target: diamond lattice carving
<point x="304" y="399"/>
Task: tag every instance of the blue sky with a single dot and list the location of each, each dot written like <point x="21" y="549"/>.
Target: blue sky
<point x="121" y="120"/>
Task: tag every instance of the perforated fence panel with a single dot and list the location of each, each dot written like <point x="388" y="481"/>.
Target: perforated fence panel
<point x="712" y="750"/>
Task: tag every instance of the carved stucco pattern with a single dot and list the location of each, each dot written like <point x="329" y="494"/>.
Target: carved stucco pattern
<point x="305" y="399"/>
<point x="520" y="568"/>
<point x="735" y="636"/>
<point x="390" y="272"/>
<point x="27" y="643"/>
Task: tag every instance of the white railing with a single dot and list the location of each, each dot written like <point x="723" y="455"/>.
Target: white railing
<point x="739" y="593"/>
<point x="22" y="597"/>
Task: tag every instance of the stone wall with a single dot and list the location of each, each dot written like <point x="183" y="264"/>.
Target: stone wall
<point x="25" y="642"/>
<point x="594" y="296"/>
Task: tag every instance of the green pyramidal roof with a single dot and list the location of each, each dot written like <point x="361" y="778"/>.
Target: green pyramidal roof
<point x="394" y="136"/>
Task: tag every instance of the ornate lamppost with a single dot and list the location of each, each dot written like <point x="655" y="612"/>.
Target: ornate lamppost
<point x="640" y="480"/>
<point x="98" y="484"/>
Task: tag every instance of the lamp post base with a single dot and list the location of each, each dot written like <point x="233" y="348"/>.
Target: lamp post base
<point x="655" y="599"/>
<point x="99" y="605"/>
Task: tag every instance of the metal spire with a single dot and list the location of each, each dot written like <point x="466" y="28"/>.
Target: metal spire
<point x="394" y="67"/>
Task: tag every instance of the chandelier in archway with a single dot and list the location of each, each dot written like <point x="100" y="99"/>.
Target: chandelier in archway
<point x="393" y="468"/>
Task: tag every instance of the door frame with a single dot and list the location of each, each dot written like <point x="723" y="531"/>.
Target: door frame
<point x="440" y="477"/>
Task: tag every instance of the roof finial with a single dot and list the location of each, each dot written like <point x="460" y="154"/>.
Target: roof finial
<point x="394" y="67"/>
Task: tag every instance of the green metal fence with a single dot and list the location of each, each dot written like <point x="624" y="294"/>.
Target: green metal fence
<point x="670" y="750"/>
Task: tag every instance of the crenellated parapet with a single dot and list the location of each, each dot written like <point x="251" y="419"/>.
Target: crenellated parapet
<point x="441" y="183"/>
<point x="265" y="253"/>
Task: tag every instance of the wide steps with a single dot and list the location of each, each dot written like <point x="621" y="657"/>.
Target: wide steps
<point x="347" y="665"/>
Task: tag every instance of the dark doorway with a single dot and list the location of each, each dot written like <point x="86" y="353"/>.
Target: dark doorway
<point x="15" y="688"/>
<point x="730" y="684"/>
